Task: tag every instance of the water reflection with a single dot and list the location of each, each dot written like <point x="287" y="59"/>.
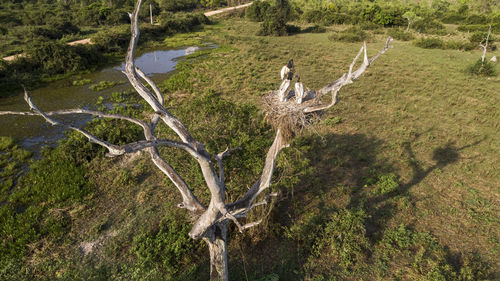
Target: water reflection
<point x="33" y="132"/>
<point x="159" y="61"/>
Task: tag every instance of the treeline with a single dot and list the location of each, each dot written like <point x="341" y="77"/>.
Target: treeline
<point x="40" y="31"/>
<point x="423" y="16"/>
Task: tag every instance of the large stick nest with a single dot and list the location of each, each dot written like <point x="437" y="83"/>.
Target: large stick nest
<point x="289" y="116"/>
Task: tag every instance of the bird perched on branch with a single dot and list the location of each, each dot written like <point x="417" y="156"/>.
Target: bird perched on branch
<point x="299" y="90"/>
<point x="284" y="86"/>
<point x="286" y="69"/>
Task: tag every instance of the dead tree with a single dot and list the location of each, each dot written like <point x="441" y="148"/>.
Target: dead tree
<point x="485" y="47"/>
<point x="210" y="222"/>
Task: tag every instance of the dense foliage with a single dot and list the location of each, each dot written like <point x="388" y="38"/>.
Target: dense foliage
<point x="41" y="30"/>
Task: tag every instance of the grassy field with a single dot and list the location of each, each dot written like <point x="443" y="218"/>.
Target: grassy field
<point x="415" y="114"/>
<point x="398" y="182"/>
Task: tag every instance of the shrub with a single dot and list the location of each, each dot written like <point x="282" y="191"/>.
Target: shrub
<point x="390" y="16"/>
<point x="352" y="34"/>
<point x="57" y="58"/>
<point x="315" y="29"/>
<point x="257" y="11"/>
<point x="480" y="37"/>
<point x="276" y="19"/>
<point x="178" y="5"/>
<point x="386" y="184"/>
<point x="478" y="68"/>
<point x="430" y="43"/>
<point x="181" y="22"/>
<point x="400" y="34"/>
<point x="163" y="248"/>
<point x="344" y="238"/>
<point x="473" y="27"/>
<point x="427" y="25"/>
<point x="112" y="39"/>
<point x="336" y="18"/>
<point x="460" y="45"/>
<point x="476" y="19"/>
<point x="369" y="26"/>
<point x="452" y="17"/>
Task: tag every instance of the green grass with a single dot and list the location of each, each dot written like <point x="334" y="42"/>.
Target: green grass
<point x="398" y="181"/>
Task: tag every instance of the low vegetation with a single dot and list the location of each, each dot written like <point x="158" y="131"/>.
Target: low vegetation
<point x="390" y="185"/>
<point x="104" y="85"/>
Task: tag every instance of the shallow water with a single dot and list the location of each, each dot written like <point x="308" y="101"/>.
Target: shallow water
<point x="33" y="132"/>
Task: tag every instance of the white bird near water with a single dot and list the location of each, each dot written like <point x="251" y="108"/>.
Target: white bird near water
<point x="286" y="69"/>
<point x="284" y="86"/>
<point x="299" y="90"/>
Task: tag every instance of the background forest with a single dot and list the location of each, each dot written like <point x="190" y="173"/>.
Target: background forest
<point x="398" y="182"/>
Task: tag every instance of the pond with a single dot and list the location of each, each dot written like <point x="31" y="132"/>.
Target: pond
<point x="33" y="132"/>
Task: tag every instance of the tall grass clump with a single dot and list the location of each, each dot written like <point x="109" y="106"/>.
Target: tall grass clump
<point x="400" y="34"/>
<point x="482" y="69"/>
<point x="352" y="34"/>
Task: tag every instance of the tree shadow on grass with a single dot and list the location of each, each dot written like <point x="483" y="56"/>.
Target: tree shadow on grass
<point x="340" y="167"/>
<point x="336" y="165"/>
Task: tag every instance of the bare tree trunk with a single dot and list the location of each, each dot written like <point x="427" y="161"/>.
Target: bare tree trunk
<point x="485" y="47"/>
<point x="217" y="247"/>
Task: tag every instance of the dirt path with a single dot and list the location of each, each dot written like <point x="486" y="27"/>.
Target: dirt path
<point x="87" y="40"/>
<point x="78" y="42"/>
<point x="211" y="13"/>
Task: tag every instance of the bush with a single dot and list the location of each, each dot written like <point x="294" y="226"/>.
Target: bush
<point x="386" y="184"/>
<point x="336" y="18"/>
<point x="480" y="37"/>
<point x="369" y="26"/>
<point x="112" y="39"/>
<point x="427" y="25"/>
<point x="459" y="45"/>
<point x="178" y="5"/>
<point x="276" y="19"/>
<point x="163" y="248"/>
<point x="257" y="11"/>
<point x="473" y="28"/>
<point x="57" y="58"/>
<point x="478" y="68"/>
<point x="400" y="34"/>
<point x="314" y="29"/>
<point x="352" y="34"/>
<point x="390" y="16"/>
<point x="344" y="238"/>
<point x="452" y="17"/>
<point x="430" y="43"/>
<point x="476" y="19"/>
<point x="181" y="22"/>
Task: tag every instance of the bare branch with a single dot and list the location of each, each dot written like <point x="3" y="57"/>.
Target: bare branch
<point x="348" y="78"/>
<point x="131" y="73"/>
<point x="249" y="225"/>
<point x="151" y="83"/>
<point x="78" y="111"/>
<point x="242" y="213"/>
<point x="485" y="46"/>
<point x="143" y="144"/>
<point x="267" y="172"/>
<point x="219" y="158"/>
